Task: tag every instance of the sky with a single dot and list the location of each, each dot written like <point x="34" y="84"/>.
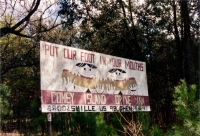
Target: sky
<point x="19" y="8"/>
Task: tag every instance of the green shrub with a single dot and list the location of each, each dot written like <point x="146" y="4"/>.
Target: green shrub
<point x="187" y="111"/>
<point x="4" y="103"/>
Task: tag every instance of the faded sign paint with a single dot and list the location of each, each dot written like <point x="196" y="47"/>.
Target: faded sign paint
<point x="76" y="77"/>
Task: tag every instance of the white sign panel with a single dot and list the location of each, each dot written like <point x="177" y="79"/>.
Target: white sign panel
<point x="76" y="80"/>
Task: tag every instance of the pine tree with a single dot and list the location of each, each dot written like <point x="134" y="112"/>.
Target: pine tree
<point x="187" y="111"/>
<point x="4" y="103"/>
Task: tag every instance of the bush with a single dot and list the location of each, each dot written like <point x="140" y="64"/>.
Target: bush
<point x="187" y="111"/>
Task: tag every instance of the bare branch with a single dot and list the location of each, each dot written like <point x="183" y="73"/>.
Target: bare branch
<point x="15" y="62"/>
<point x="34" y="9"/>
<point x="3" y="9"/>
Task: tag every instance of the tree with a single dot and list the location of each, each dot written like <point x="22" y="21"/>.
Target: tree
<point x="24" y="16"/>
<point x="4" y="104"/>
<point x="24" y="81"/>
<point x="149" y="33"/>
<point x="187" y="110"/>
<point x="187" y="44"/>
<point x="15" y="56"/>
<point x="107" y="24"/>
<point x="114" y="30"/>
<point x="19" y="71"/>
<point x="145" y="32"/>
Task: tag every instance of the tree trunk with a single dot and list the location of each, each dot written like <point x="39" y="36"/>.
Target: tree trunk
<point x="188" y="47"/>
<point x="178" y="43"/>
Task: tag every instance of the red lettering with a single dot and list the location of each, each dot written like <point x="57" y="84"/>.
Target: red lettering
<point x="69" y="54"/>
<point x="127" y="64"/>
<point x="122" y="100"/>
<point x="46" y="48"/>
<point x="103" y="60"/>
<point x="87" y="57"/>
<point x="115" y="62"/>
<point x="140" y="66"/>
<point x="134" y="65"/>
<point x="53" y="50"/>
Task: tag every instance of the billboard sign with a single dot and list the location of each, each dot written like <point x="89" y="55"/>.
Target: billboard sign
<point x="76" y="80"/>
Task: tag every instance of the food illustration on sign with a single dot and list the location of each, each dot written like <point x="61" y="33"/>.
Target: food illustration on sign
<point x="86" y="70"/>
<point x="123" y="84"/>
<point x="85" y="77"/>
<point x="77" y="80"/>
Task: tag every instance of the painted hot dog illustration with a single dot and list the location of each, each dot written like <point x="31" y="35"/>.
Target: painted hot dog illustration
<point x="87" y="76"/>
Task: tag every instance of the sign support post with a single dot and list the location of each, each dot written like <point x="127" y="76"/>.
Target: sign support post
<point x="49" y="119"/>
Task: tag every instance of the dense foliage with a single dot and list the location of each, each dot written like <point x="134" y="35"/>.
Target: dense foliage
<point x="4" y="103"/>
<point x="187" y="110"/>
<point x="164" y="34"/>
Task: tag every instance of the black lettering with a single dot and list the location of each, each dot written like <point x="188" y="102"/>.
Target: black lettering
<point x="63" y="108"/>
<point x="49" y="108"/>
<point x="59" y="108"/>
<point x="78" y="108"/>
<point x="114" y="108"/>
<point x="73" y="108"/>
<point x="93" y="108"/>
<point x="85" y="109"/>
<point x="122" y="108"/>
<point x="53" y="107"/>
<point x="104" y="108"/>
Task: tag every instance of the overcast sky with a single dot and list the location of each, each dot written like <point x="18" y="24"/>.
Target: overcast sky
<point x="20" y="8"/>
